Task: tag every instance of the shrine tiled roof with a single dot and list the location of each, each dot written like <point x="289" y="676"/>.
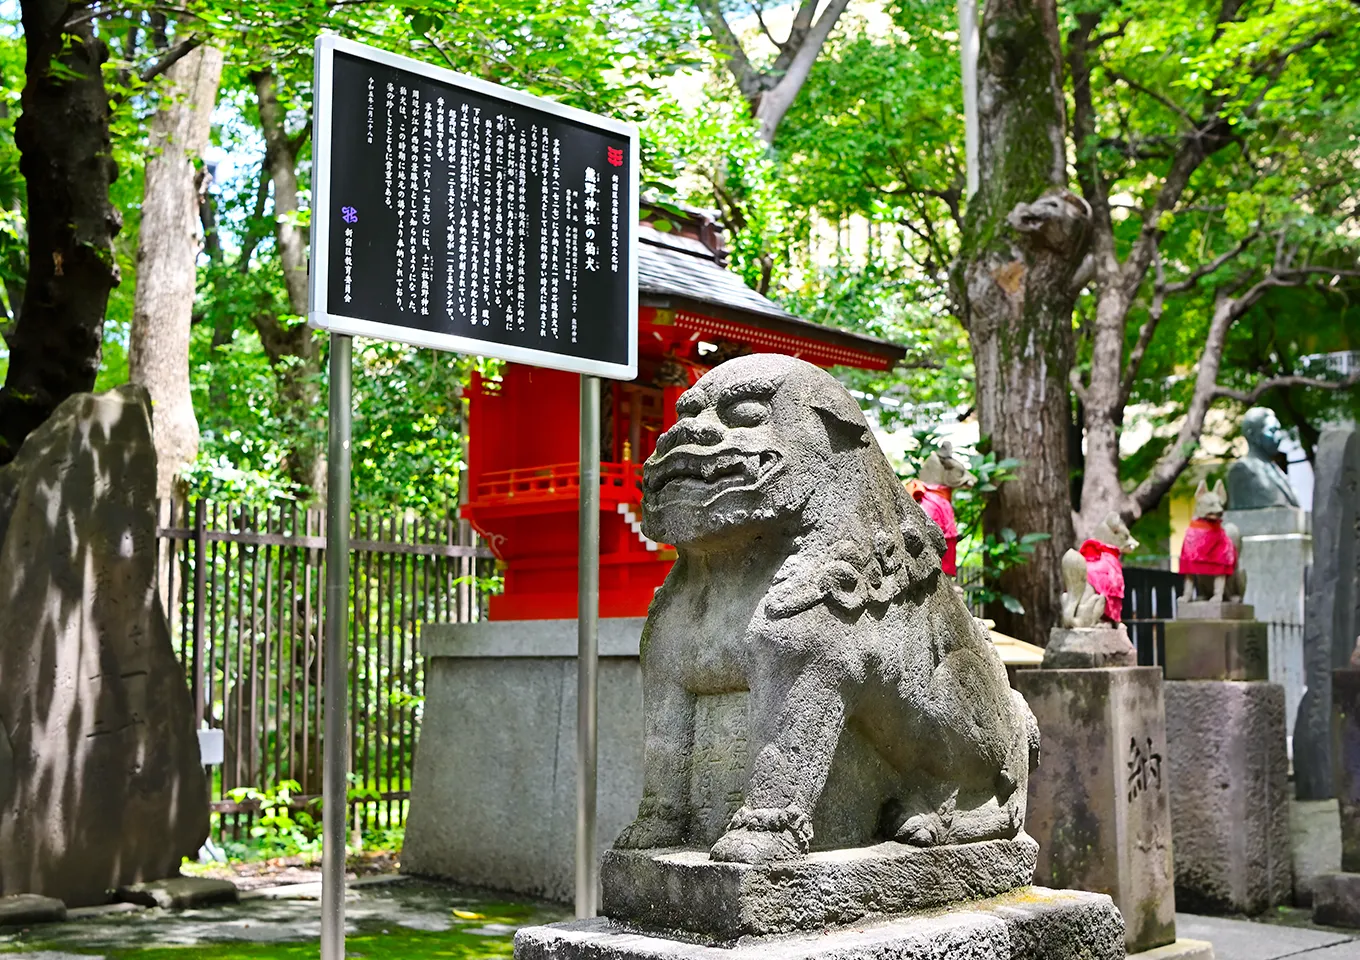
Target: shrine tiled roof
<point x="681" y="272"/>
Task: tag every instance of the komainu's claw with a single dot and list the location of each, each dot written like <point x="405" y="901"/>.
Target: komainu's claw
<point x="647" y="833"/>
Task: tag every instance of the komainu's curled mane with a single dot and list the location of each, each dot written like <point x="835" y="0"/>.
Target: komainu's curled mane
<point x="878" y="707"/>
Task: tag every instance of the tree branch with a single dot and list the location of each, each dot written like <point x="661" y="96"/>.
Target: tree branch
<point x="1249" y="397"/>
<point x="747" y="77"/>
<point x="1193" y="278"/>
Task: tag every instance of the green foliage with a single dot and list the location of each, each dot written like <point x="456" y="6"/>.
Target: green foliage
<point x="281" y="825"/>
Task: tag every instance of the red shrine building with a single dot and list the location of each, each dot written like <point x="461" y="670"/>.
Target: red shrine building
<point x="523" y="474"/>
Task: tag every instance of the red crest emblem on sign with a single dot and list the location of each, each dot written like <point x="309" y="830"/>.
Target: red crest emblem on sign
<point x="615" y="156"/>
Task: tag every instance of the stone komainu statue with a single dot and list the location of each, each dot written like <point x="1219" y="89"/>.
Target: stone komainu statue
<point x="877" y="707"/>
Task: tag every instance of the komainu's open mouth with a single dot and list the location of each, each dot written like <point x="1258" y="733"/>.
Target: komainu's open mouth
<point x="704" y="472"/>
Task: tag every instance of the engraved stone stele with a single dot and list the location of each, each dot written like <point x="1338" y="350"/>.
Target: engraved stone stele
<point x="1332" y="619"/>
<point x="1099" y="804"/>
<point x="101" y="783"/>
<point x="830" y="736"/>
<point x="1336" y="896"/>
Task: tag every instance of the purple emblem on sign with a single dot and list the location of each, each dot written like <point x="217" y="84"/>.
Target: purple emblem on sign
<point x="350" y="214"/>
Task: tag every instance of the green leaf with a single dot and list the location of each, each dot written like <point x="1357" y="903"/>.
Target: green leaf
<point x="1012" y="604"/>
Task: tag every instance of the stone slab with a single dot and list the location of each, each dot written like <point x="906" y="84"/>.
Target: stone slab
<point x="1214" y="610"/>
<point x="178" y="893"/>
<point x="1254" y="940"/>
<point x="1336" y="899"/>
<point x="1229" y="776"/>
<point x="1072" y="648"/>
<point x="1099" y="804"/>
<point x="1029" y="924"/>
<point x="685" y="890"/>
<point x="1182" y="949"/>
<point x="22" y="909"/>
<point x="1217" y="650"/>
<point x="1346" y="762"/>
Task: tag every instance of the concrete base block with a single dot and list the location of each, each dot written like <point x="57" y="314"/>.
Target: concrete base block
<point x="1315" y="842"/>
<point x="1180" y="950"/>
<point x="1217" y="650"/>
<point x="1336" y="899"/>
<point x="685" y="890"/>
<point x="1099" y="804"/>
<point x="178" y="893"/>
<point x="24" y="909"/>
<point x="1229" y="776"/>
<point x="491" y="797"/>
<point x="1029" y="924"/>
<point x="1072" y="648"/>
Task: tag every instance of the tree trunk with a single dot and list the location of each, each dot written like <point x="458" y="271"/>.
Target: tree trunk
<point x="293" y="349"/>
<point x="66" y="160"/>
<point x="1024" y="238"/>
<point x="158" y="354"/>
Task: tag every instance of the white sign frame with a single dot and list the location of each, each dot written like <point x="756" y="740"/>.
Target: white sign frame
<point x="321" y="317"/>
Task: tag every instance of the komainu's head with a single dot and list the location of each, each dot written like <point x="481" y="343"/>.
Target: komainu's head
<point x="770" y="445"/>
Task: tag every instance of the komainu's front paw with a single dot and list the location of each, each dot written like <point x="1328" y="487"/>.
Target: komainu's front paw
<point x="650" y="832"/>
<point x="760" y="835"/>
<point x="756" y="846"/>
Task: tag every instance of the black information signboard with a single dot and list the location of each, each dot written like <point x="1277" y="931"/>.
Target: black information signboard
<point x="453" y="213"/>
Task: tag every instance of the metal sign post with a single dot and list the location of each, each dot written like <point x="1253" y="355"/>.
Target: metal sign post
<point x="588" y="650"/>
<point x="335" y="753"/>
<point x="456" y="214"/>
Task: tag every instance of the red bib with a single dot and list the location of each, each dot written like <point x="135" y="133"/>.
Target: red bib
<point x="1105" y="574"/>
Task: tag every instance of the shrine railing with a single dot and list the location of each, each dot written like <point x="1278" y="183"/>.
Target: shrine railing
<point x="244" y="591"/>
<point x="619" y="483"/>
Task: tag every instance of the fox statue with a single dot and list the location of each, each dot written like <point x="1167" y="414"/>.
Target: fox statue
<point x="1094" y="577"/>
<point x="1210" y="553"/>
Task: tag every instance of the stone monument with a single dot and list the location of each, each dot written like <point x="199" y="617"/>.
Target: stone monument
<point x="933" y="488"/>
<point x="1099" y="805"/>
<point x="830" y="738"/>
<point x="1330" y="625"/>
<point x="100" y="780"/>
<point x="1275" y="551"/>
<point x="1227" y="760"/>
<point x="1336" y="896"/>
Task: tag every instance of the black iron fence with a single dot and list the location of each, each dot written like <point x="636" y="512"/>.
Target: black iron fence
<point x="245" y="589"/>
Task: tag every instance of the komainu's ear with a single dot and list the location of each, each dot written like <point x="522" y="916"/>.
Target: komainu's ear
<point x="1220" y="492"/>
<point x="1201" y="490"/>
<point x="846" y="430"/>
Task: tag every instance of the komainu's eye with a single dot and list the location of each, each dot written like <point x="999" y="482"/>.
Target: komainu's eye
<point x="747" y="413"/>
<point x="688" y="405"/>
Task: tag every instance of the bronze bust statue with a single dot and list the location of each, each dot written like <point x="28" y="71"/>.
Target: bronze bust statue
<point x="1255" y="481"/>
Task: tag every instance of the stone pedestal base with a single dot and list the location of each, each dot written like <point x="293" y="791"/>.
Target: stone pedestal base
<point x="1071" y="648"/>
<point x="1336" y="899"/>
<point x="1226" y="649"/>
<point x="1228" y="771"/>
<point x="685" y="890"/>
<point x="1099" y="804"/>
<point x="1029" y="924"/>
